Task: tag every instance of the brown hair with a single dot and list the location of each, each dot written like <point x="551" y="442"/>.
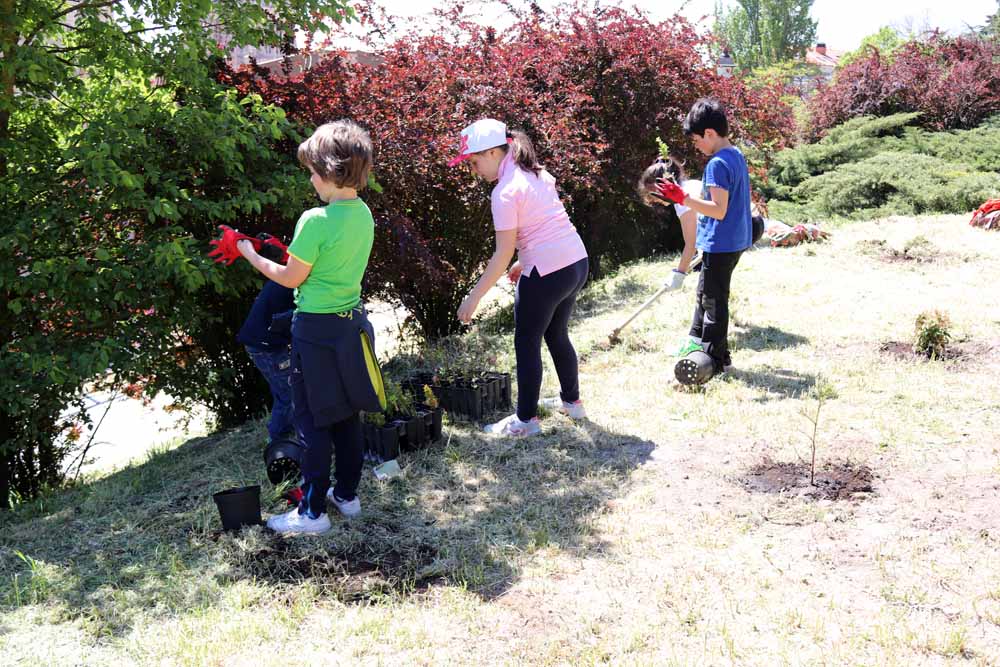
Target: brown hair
<point x="670" y="169"/>
<point x="524" y="151"/>
<point x="339" y="152"/>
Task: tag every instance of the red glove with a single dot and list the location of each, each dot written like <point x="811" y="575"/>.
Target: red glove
<point x="294" y="496"/>
<point x="225" y="248"/>
<point x="670" y="191"/>
<point x="272" y="248"/>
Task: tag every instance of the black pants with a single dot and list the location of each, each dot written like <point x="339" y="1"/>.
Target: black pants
<point x="711" y="311"/>
<point x="542" y="308"/>
<point x="344" y="436"/>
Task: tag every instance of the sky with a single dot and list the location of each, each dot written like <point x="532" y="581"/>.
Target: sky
<point x="842" y="23"/>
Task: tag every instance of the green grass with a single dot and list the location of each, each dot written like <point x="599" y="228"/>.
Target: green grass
<point x="673" y="528"/>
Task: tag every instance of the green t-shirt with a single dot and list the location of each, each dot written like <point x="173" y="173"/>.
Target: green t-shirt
<point x="335" y="241"/>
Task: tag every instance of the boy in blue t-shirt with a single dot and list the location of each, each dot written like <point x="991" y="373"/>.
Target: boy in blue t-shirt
<point x="724" y="227"/>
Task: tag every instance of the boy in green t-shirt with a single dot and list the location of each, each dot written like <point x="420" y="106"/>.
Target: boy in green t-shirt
<point x="334" y="373"/>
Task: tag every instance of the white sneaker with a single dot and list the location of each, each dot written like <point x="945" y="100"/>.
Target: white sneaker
<point x="512" y="426"/>
<point x="348" y="508"/>
<point x="292" y="522"/>
<point x="572" y="410"/>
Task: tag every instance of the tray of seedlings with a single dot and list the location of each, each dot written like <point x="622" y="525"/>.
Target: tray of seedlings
<point x="472" y="394"/>
<point x="406" y="425"/>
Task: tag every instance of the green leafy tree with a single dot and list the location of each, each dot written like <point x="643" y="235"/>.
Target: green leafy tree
<point x="991" y="26"/>
<point x="758" y="33"/>
<point x="119" y="155"/>
<point x="885" y="41"/>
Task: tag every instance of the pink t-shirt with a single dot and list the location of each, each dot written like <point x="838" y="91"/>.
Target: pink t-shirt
<point x="546" y="239"/>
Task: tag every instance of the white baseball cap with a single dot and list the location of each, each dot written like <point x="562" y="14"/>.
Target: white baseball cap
<point x="481" y="135"/>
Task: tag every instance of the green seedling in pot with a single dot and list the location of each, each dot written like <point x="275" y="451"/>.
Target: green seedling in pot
<point x="430" y="400"/>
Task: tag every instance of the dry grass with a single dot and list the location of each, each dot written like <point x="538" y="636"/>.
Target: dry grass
<point x="674" y="528"/>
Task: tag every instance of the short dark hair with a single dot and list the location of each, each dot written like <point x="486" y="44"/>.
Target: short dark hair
<point x="706" y="114"/>
<point x="340" y="152"/>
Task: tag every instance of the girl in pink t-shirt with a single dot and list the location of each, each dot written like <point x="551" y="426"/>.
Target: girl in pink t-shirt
<point x="551" y="269"/>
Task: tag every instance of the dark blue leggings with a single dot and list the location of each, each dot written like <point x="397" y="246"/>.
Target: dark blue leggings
<point x="542" y="308"/>
<point x="344" y="436"/>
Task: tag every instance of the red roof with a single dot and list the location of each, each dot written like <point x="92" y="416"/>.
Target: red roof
<point x="829" y="59"/>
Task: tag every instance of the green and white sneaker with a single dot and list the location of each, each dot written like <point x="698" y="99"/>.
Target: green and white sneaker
<point x="690" y="346"/>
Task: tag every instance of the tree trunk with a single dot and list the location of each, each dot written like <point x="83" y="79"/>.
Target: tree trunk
<point x="7" y="454"/>
<point x="8" y="44"/>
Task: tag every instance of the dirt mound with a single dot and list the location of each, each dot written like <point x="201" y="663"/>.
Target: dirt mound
<point x="966" y="351"/>
<point x="834" y="480"/>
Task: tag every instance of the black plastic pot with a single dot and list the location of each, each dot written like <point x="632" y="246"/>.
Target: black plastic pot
<point x="503" y="390"/>
<point x="283" y="460"/>
<point x="446" y="397"/>
<point x="471" y="399"/>
<point x="695" y="368"/>
<point x="500" y="398"/>
<point x="239" y="507"/>
<point x="382" y="442"/>
<point x="414" y="433"/>
<point x="474" y="397"/>
<point x="433" y="418"/>
<point x="491" y="393"/>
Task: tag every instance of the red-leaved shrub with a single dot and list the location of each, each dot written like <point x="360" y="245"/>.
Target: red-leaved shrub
<point x="592" y="89"/>
<point x="953" y="82"/>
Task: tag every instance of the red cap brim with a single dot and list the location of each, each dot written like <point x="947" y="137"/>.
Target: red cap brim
<point x="460" y="158"/>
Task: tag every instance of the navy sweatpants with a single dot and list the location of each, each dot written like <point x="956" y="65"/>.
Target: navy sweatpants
<point x="343" y="439"/>
<point x="542" y="308"/>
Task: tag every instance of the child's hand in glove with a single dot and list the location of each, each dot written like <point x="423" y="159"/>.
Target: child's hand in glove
<point x="272" y="248"/>
<point x="675" y="280"/>
<point x="670" y="191"/>
<point x="225" y="250"/>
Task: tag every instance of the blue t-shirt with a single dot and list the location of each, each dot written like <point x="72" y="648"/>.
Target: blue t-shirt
<point x="272" y="300"/>
<point x="727" y="169"/>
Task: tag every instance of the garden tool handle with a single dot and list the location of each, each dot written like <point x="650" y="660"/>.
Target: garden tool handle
<point x="614" y="334"/>
<point x="647" y="304"/>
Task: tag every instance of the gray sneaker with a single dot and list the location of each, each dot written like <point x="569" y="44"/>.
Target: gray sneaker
<point x="349" y="508"/>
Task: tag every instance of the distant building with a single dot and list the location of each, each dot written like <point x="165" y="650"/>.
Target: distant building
<point x="305" y="60"/>
<point x="272" y="59"/>
<point x="824" y="58"/>
<point x="822" y="62"/>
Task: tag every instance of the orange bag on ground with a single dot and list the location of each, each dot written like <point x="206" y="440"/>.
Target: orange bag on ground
<point x="987" y="216"/>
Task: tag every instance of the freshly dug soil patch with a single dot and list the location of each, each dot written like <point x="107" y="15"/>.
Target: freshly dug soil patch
<point x="917" y="251"/>
<point x="966" y="351"/>
<point x="835" y="480"/>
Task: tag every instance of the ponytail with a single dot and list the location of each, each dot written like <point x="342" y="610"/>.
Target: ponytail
<point x="670" y="169"/>
<point x="524" y="151"/>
